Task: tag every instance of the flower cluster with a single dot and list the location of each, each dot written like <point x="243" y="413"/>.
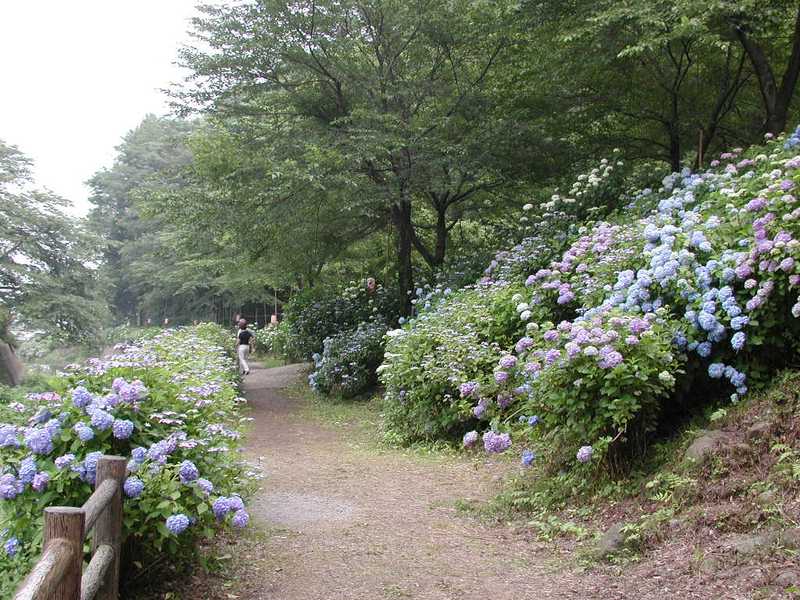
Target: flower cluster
<point x="118" y="405"/>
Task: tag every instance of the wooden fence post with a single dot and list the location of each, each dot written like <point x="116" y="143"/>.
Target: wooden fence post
<point x="108" y="529"/>
<point x="66" y="523"/>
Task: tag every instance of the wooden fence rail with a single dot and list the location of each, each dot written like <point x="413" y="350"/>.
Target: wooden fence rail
<point x="57" y="575"/>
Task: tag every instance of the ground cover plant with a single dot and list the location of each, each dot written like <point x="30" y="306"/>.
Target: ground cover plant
<point x="170" y="404"/>
<point x="691" y="288"/>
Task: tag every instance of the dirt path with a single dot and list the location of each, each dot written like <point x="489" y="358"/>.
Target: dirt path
<point x="341" y="523"/>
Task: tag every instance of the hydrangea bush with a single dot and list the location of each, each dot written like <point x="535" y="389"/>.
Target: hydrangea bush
<point x="170" y="405"/>
<point x="317" y="314"/>
<point x="691" y="286"/>
<point x="461" y="336"/>
<point x="348" y="361"/>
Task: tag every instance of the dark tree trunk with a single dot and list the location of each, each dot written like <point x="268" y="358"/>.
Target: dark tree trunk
<point x="674" y="148"/>
<point x="776" y="98"/>
<point x="441" y="238"/>
<point x="401" y="219"/>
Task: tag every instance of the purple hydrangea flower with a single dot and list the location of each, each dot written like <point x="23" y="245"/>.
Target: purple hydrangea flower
<point x="122" y="429"/>
<point x="470" y="439"/>
<point x="478" y="410"/>
<point x="235" y="503"/>
<point x="177" y="524"/>
<point x="27" y="469"/>
<point x="584" y="454"/>
<point x="62" y="462"/>
<point x="188" y="471"/>
<point x="508" y="362"/>
<point x="501" y="376"/>
<point x="40" y="481"/>
<point x="240" y="519"/>
<point x="496" y="443"/>
<point x="220" y="508"/>
<point x="205" y="485"/>
<point x="10" y="488"/>
<point x="38" y="441"/>
<point x="101" y="419"/>
<point x="468" y="389"/>
<point x="81" y="397"/>
<point x="133" y="487"/>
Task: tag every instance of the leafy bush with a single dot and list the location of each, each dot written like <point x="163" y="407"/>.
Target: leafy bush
<point x="170" y="404"/>
<point x="269" y="338"/>
<point x="691" y="287"/>
<point x="349" y="360"/>
<point x="317" y="314"/>
<point x="459" y="338"/>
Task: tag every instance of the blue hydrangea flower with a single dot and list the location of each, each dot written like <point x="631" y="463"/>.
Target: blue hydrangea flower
<point x="81" y="397"/>
<point x="10" y="487"/>
<point x="738" y="340"/>
<point x="188" y="471"/>
<point x="11" y="546"/>
<point x="527" y="458"/>
<point x="220" y="508"/>
<point x="27" y="469"/>
<point x="101" y="419"/>
<point x="62" y="462"/>
<point x="9" y="436"/>
<point x="177" y="524"/>
<point x="139" y="454"/>
<point x="240" y="519"/>
<point x="133" y="487"/>
<point x="716" y="370"/>
<point x="533" y="420"/>
<point x="122" y="429"/>
<point x="85" y="433"/>
<point x="38" y="441"/>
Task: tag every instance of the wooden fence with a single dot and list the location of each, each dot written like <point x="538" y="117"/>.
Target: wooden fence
<point x="58" y="574"/>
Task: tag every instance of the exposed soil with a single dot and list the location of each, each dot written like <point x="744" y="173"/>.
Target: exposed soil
<point x="336" y="519"/>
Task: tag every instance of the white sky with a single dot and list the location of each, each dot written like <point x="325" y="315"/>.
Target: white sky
<point x="77" y="75"/>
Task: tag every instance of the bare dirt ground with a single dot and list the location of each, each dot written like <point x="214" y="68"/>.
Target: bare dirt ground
<point x="337" y="518"/>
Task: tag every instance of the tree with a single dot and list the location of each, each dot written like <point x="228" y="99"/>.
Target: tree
<point x="393" y="92"/>
<point x="46" y="277"/>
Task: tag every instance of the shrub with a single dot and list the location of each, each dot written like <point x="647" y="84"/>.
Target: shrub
<point x="349" y="360"/>
<point x="692" y="286"/>
<point x="317" y="314"/>
<point x="458" y="339"/>
<point x="169" y="404"/>
<point x="708" y="278"/>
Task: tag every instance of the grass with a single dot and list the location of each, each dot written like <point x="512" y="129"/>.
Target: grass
<point x="268" y="361"/>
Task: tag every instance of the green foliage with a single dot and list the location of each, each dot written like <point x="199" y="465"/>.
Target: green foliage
<point x="427" y="359"/>
<point x="319" y="313"/>
<point x="45" y="280"/>
<point x="349" y="360"/>
<point x="178" y="391"/>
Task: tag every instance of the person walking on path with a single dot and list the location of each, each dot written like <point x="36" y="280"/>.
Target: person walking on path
<point x="244" y="339"/>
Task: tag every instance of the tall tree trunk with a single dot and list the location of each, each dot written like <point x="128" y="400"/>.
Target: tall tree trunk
<point x="674" y="147"/>
<point x="776" y="98"/>
<point x="401" y="218"/>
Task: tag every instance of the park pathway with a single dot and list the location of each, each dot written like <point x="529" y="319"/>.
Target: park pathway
<point x="342" y="520"/>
